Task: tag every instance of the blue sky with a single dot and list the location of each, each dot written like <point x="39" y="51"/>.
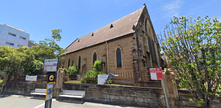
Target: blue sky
<point x="77" y="18"/>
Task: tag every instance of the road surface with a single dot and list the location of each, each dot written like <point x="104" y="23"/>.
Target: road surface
<point x="20" y="101"/>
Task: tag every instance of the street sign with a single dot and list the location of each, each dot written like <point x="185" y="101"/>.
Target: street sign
<point x="49" y="91"/>
<point x="50" y="65"/>
<point x="156" y="74"/>
<point x="50" y="77"/>
<point x="48" y="97"/>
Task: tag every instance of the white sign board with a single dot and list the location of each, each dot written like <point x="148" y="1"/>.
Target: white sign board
<point x="50" y="65"/>
<point x="31" y="78"/>
<point x="101" y="79"/>
<point x="49" y="91"/>
<point x="156" y="74"/>
<point x="50" y="85"/>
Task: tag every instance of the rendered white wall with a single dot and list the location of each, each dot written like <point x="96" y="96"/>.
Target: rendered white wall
<point x="16" y="40"/>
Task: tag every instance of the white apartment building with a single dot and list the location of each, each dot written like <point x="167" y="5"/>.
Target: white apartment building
<point x="12" y="36"/>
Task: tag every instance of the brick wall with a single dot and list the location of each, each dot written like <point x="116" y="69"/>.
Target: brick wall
<point x="23" y="88"/>
<point x="125" y="72"/>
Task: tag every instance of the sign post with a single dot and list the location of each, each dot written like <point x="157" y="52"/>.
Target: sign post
<point x="48" y="97"/>
<point x="156" y="74"/>
<point x="50" y="65"/>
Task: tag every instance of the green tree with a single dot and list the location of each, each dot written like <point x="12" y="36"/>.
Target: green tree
<point x="43" y="52"/>
<point x="193" y="49"/>
<point x="51" y="46"/>
<point x="28" y="59"/>
<point x="10" y="60"/>
<point x="20" y="60"/>
<point x="24" y="60"/>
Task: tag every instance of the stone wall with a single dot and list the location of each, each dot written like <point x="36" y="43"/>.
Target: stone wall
<point x="120" y="94"/>
<point x="22" y="88"/>
<point x="146" y="54"/>
<point x="153" y="97"/>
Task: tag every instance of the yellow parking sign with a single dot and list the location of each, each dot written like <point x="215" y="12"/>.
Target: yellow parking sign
<point x="50" y="78"/>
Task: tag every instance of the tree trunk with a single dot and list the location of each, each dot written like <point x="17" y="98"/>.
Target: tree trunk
<point x="4" y="81"/>
<point x="207" y="104"/>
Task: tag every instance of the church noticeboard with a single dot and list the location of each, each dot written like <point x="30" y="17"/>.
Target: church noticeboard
<point x="50" y="65"/>
<point x="31" y="78"/>
<point x="101" y="79"/>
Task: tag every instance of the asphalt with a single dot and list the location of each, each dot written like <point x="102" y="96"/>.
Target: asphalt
<point x="21" y="101"/>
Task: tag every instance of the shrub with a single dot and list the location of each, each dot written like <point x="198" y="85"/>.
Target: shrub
<point x="97" y="65"/>
<point x="73" y="70"/>
<point x="66" y="78"/>
<point x="91" y="76"/>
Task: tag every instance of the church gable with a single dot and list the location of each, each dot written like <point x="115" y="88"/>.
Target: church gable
<point x="127" y="47"/>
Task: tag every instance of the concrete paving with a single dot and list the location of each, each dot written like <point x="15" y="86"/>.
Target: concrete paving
<point x="20" y="101"/>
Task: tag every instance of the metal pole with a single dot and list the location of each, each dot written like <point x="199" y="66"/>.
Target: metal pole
<point x="57" y="70"/>
<point x="46" y="104"/>
<point x="50" y="103"/>
<point x="107" y="58"/>
<point x="165" y="92"/>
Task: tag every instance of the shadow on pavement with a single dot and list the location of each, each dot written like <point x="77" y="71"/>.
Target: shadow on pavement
<point x="3" y="95"/>
<point x="121" y="105"/>
<point x="67" y="100"/>
<point x="38" y="97"/>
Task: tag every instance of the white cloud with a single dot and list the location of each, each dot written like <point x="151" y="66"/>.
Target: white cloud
<point x="172" y="9"/>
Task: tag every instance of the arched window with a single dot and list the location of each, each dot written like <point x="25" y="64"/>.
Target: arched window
<point x="68" y="62"/>
<point x="79" y="62"/>
<point x="94" y="57"/>
<point x="118" y="54"/>
<point x="72" y="62"/>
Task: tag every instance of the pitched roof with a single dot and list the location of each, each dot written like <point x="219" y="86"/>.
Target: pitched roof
<point x="120" y="28"/>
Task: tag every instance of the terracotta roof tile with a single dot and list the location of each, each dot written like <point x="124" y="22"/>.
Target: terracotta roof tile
<point x="120" y="27"/>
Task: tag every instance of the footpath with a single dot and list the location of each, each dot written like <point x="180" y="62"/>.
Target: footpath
<point x="21" y="101"/>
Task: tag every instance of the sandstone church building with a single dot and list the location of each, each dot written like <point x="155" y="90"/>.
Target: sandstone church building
<point x="128" y="47"/>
